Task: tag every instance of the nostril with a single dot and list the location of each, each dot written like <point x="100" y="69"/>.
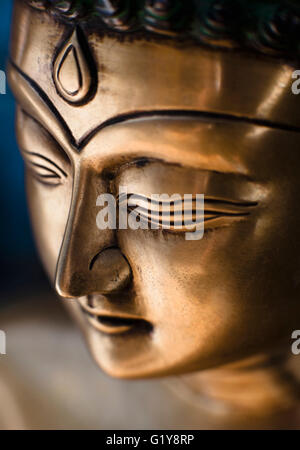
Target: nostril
<point x="112" y="269"/>
<point x="94" y="259"/>
<point x="109" y="254"/>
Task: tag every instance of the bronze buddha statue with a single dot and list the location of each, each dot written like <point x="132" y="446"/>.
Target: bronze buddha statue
<point x="169" y="96"/>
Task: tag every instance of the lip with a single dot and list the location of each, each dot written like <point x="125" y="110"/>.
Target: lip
<point x="113" y="323"/>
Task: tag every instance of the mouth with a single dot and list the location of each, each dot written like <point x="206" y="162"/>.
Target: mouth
<point x="117" y="325"/>
<point x="114" y="324"/>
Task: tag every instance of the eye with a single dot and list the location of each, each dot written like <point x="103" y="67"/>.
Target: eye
<point x="43" y="169"/>
<point x="179" y="215"/>
<point x="172" y="214"/>
<point x="222" y="212"/>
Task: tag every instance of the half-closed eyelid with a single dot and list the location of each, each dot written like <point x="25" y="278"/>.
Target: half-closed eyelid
<point x="41" y="158"/>
<point x="44" y="174"/>
<point x="50" y="171"/>
<point x="172" y="211"/>
<point x="229" y="207"/>
<point x="210" y="204"/>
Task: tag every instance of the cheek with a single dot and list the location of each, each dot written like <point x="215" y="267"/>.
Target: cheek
<point x="49" y="209"/>
<point x="231" y="282"/>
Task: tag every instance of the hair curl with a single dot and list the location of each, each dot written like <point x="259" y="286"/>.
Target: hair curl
<point x="267" y="26"/>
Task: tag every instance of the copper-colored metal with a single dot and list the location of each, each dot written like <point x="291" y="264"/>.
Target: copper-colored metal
<point x="160" y="117"/>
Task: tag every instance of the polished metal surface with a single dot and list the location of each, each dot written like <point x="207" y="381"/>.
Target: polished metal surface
<point x="96" y="113"/>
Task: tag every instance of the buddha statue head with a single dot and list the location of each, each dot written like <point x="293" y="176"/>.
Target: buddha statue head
<point x="165" y="97"/>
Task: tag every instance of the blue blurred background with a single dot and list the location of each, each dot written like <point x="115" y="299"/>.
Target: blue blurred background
<point x="19" y="266"/>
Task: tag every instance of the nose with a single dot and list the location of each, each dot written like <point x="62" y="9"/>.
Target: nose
<point x="109" y="272"/>
<point x="90" y="261"/>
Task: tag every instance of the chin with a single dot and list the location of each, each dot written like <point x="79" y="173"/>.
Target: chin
<point x="125" y="357"/>
<point x="131" y="357"/>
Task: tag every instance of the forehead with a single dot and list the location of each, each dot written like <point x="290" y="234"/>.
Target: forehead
<point x="138" y="76"/>
<point x="255" y="152"/>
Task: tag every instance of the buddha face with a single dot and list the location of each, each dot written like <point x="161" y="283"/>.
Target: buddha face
<point x="150" y="302"/>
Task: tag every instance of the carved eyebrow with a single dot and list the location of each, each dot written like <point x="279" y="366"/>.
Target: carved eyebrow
<point x="188" y="114"/>
<point x="37" y="103"/>
<point x="19" y="80"/>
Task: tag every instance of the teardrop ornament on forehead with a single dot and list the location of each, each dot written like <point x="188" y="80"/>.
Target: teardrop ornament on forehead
<point x="74" y="72"/>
